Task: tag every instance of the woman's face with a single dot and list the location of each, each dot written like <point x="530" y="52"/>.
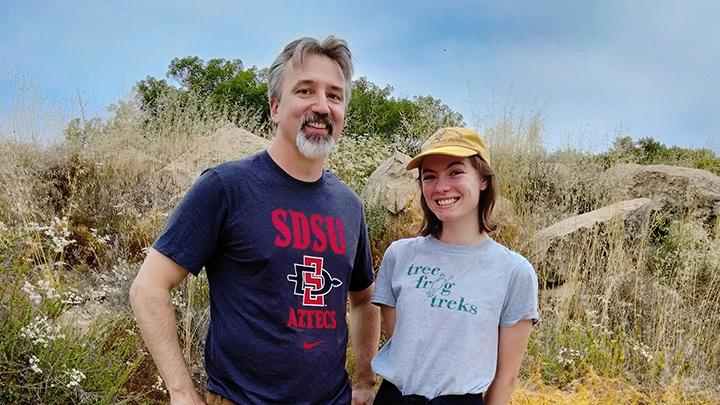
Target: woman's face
<point x="451" y="187"/>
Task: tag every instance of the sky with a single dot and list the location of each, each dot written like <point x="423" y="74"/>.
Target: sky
<point x="593" y="70"/>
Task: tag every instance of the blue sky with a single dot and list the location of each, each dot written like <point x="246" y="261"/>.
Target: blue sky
<point x="596" y="69"/>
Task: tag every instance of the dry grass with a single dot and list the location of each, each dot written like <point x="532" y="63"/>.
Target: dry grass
<point x="635" y="319"/>
<point x="595" y="390"/>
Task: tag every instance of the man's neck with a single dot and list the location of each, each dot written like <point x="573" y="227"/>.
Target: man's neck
<point x="294" y="163"/>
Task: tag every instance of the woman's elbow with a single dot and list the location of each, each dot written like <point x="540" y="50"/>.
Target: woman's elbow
<point x="507" y="382"/>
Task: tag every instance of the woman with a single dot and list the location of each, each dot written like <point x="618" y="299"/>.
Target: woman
<point x="458" y="307"/>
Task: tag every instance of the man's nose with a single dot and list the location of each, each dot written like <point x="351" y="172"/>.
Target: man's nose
<point x="321" y="105"/>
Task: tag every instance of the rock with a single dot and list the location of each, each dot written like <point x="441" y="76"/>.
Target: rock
<point x="228" y="143"/>
<point x="392" y="203"/>
<point x="392" y="186"/>
<point x="558" y="174"/>
<point x="554" y="246"/>
<point x="692" y="190"/>
<point x="81" y="317"/>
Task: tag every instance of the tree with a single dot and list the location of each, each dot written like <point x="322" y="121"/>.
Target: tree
<point x="372" y="111"/>
<point x="227" y="85"/>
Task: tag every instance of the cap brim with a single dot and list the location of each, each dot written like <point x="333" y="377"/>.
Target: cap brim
<point x="458" y="151"/>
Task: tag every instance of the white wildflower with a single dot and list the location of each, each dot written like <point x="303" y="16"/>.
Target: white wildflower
<point x="70" y="298"/>
<point x="34" y="365"/>
<point x="103" y="240"/>
<point x="74" y="376"/>
<point x="41" y="332"/>
<point x="159" y="385"/>
<point x="35" y="297"/>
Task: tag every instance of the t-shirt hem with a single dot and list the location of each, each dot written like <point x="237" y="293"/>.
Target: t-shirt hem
<point x="535" y="318"/>
<point x="174" y="259"/>
<point x="383" y="301"/>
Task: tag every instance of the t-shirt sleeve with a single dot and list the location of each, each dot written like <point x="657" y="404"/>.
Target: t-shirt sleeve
<point x="194" y="228"/>
<point x="383" y="293"/>
<point x="363" y="273"/>
<point x="521" y="301"/>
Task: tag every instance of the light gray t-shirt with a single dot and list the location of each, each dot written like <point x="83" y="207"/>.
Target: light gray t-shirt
<point x="450" y="301"/>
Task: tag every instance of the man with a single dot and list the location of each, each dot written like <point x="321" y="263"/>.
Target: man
<point x="284" y="244"/>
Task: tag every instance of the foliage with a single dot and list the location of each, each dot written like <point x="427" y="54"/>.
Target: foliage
<point x="46" y="360"/>
<point x="647" y="151"/>
<point x="353" y="160"/>
<point x="77" y="216"/>
<point x="372" y="111"/>
<point x="226" y="85"/>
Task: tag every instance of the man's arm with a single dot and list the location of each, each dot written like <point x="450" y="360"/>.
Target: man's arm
<point x="365" y="333"/>
<point x="512" y="343"/>
<point x="152" y="303"/>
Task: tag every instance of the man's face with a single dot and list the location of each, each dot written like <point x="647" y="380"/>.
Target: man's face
<point x="311" y="109"/>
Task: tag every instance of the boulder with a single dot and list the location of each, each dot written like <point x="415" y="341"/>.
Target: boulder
<point x="557" y="174"/>
<point x="80" y="318"/>
<point x="690" y="190"/>
<point x="555" y="248"/>
<point x="393" y="187"/>
<point x="228" y="143"/>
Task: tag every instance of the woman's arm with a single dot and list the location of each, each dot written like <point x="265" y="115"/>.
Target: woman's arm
<point x="512" y="343"/>
<point x="388" y="316"/>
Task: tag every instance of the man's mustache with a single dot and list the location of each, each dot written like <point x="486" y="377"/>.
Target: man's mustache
<point x="324" y="118"/>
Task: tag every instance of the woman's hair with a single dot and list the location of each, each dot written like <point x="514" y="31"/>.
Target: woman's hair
<point x="332" y="47"/>
<point x="431" y="225"/>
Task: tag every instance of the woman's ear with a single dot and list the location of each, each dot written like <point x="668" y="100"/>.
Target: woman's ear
<point x="483" y="184"/>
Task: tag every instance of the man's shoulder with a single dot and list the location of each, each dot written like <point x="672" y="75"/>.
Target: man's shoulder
<point x="234" y="171"/>
<point x="338" y="187"/>
<point x="244" y="162"/>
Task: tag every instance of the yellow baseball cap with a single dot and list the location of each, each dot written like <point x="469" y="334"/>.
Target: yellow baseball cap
<point x="453" y="141"/>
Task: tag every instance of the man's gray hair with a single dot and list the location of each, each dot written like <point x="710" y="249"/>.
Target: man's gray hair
<point x="332" y="47"/>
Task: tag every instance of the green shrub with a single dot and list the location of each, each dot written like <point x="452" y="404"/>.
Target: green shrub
<point x="46" y="361"/>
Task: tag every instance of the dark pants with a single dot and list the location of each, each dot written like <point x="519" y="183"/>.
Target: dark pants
<point x="389" y="394"/>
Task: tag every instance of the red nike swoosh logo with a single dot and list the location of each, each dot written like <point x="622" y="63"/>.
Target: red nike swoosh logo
<point x="311" y="345"/>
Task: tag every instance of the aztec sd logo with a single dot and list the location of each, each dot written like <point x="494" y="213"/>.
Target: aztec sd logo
<point x="312" y="282"/>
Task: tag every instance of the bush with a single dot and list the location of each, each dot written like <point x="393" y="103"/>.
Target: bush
<point x="47" y="361"/>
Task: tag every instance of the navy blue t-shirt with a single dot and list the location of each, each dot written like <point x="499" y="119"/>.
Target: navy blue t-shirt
<point x="280" y="256"/>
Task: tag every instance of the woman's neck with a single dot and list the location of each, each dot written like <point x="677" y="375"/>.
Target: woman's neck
<point x="462" y="234"/>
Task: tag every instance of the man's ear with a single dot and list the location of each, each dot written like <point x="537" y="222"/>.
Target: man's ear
<point x="274" y="104"/>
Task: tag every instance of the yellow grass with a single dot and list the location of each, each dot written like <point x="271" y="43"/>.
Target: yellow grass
<point x="595" y="390"/>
